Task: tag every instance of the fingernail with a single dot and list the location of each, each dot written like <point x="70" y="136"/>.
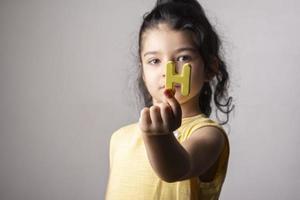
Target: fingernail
<point x="169" y="93"/>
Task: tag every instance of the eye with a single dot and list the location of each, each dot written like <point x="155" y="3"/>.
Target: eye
<point x="153" y="61"/>
<point x="184" y="58"/>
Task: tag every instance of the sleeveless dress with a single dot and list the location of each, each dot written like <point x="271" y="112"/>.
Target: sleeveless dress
<point x="132" y="177"/>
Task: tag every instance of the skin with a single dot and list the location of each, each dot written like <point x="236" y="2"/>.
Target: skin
<point x="173" y="161"/>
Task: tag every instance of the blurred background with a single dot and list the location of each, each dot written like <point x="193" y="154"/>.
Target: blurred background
<point x="65" y="70"/>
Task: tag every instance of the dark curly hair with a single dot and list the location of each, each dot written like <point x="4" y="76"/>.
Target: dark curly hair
<point x="189" y="15"/>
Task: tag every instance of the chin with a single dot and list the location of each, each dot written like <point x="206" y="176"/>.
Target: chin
<point x="184" y="99"/>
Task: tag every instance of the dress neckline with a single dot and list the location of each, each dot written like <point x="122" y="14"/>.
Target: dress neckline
<point x="192" y="117"/>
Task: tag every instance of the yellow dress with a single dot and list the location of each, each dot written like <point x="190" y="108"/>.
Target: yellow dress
<point x="132" y="177"/>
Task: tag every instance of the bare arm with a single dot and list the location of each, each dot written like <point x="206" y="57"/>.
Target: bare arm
<point x="171" y="160"/>
<point x="167" y="157"/>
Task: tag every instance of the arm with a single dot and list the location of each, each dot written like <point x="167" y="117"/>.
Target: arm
<point x="175" y="162"/>
<point x="171" y="160"/>
<point x="167" y="157"/>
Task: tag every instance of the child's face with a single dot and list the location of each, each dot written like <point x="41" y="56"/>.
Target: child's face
<point x="161" y="45"/>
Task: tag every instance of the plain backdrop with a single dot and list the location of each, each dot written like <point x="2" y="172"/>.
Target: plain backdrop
<point x="65" y="69"/>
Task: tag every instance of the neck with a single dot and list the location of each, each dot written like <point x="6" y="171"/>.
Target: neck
<point x="191" y="107"/>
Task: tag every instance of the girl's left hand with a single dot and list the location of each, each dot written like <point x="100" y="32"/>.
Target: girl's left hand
<point x="163" y="118"/>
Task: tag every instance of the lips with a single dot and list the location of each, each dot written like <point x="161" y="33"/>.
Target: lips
<point x="176" y="86"/>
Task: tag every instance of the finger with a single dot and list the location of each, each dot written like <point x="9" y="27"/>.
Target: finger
<point x="155" y="116"/>
<point x="167" y="115"/>
<point x="172" y="101"/>
<point x="145" y="120"/>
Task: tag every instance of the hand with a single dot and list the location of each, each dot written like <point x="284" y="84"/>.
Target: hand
<point x="163" y="118"/>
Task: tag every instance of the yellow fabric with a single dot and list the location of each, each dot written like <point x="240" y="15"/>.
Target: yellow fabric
<point x="132" y="178"/>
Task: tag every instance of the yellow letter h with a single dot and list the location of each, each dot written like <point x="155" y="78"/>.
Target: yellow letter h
<point x="183" y="78"/>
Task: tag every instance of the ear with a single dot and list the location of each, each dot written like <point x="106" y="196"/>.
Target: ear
<point x="213" y="70"/>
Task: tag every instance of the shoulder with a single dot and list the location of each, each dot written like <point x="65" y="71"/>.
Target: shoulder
<point x="120" y="136"/>
<point x="200" y="125"/>
<point x="211" y="131"/>
<point x="124" y="131"/>
<point x="207" y="123"/>
<point x="126" y="128"/>
<point x="206" y="131"/>
<point x="209" y="135"/>
<point x="205" y="145"/>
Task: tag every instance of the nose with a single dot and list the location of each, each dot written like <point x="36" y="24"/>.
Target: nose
<point x="164" y="64"/>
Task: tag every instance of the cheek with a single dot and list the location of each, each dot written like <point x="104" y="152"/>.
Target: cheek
<point x="197" y="80"/>
<point x="148" y="79"/>
<point x="150" y="75"/>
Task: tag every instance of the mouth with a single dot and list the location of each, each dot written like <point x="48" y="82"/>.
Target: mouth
<point x="175" y="86"/>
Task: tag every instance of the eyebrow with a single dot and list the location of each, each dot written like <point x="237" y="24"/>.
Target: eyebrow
<point x="177" y="50"/>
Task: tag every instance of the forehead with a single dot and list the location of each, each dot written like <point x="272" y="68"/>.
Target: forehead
<point x="162" y="37"/>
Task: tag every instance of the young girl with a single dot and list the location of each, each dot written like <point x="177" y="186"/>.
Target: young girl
<point x="174" y="151"/>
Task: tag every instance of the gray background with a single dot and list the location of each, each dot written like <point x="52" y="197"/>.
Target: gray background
<point x="64" y="71"/>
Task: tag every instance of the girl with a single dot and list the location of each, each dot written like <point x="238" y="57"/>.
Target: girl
<point x="175" y="151"/>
